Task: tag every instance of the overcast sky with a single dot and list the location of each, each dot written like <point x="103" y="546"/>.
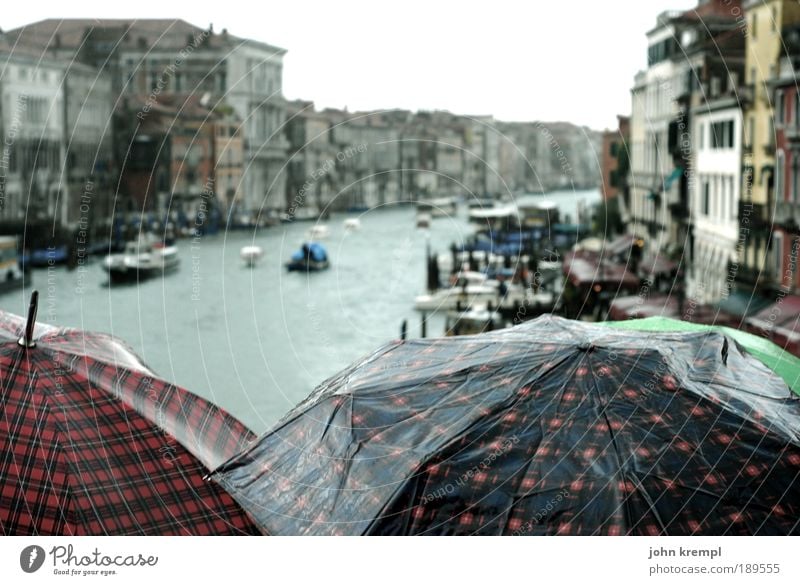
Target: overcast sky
<point x="551" y="60"/>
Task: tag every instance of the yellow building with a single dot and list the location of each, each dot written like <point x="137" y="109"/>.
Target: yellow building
<point x="765" y="21"/>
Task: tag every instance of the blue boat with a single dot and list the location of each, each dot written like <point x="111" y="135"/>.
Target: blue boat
<point x="310" y="257"/>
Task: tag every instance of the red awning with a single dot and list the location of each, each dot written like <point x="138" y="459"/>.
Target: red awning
<point x="622" y="245"/>
<point x="587" y="269"/>
<point x="660" y="305"/>
<point x="658" y="265"/>
<point x="779" y="322"/>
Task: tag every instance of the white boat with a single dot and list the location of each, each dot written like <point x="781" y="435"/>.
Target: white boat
<point x="440" y="207"/>
<point x="318" y="232"/>
<point x="142" y="258"/>
<point x="472" y="321"/>
<point x="251" y="255"/>
<point x="352" y="224"/>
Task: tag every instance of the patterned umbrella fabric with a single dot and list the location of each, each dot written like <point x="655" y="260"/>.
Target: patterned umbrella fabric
<point x="552" y="427"/>
<point x="93" y="443"/>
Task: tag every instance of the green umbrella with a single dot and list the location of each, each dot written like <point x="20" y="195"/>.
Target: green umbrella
<point x="779" y="361"/>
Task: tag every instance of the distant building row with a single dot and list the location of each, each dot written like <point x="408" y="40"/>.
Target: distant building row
<point x="103" y="116"/>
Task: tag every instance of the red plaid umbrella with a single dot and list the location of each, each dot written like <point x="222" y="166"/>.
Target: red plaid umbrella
<point x="552" y="427"/>
<point x="92" y="443"/>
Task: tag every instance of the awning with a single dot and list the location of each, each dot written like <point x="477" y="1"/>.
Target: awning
<point x="585" y="269"/>
<point x="676" y="174"/>
<point x="660" y="305"/>
<point x="622" y="245"/>
<point x="779" y="322"/>
<point x="743" y="304"/>
<point x="658" y="265"/>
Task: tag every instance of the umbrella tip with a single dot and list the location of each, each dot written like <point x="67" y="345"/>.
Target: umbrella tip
<point x="27" y="336"/>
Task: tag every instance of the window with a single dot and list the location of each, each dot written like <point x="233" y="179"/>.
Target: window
<point x="702" y="137"/>
<point x="779" y="106"/>
<point x="777" y="254"/>
<point x="706" y="197"/>
<point x="796" y="107"/>
<point x="795" y="177"/>
<point x="722" y="134"/>
<point x="753" y="26"/>
<point x="780" y="167"/>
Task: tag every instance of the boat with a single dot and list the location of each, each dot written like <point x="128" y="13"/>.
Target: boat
<point x="251" y="255"/>
<point x="440" y="207"/>
<point x="352" y="224"/>
<point x="11" y="277"/>
<point x="423" y="220"/>
<point x="49" y="256"/>
<point x="473" y="321"/>
<point x="470" y="288"/>
<point x="311" y="257"/>
<point x="142" y="258"/>
<point x="318" y="232"/>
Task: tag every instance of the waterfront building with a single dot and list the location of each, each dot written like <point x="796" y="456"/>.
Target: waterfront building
<point x="657" y="181"/>
<point x="159" y="57"/>
<point x="783" y="256"/>
<point x="758" y="265"/>
<point x="55" y="160"/>
<point x="614" y="158"/>
<point x="714" y="46"/>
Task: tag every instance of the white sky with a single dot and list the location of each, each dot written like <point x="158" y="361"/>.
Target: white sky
<point x="551" y="60"/>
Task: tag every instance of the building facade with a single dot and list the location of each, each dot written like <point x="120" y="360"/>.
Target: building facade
<point x="765" y="20"/>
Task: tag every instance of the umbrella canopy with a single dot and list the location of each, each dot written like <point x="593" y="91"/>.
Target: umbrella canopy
<point x="784" y="364"/>
<point x="551" y="427"/>
<point x="93" y="443"/>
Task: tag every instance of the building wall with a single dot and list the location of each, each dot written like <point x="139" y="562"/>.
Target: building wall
<point x="715" y="191"/>
<point x="765" y="19"/>
<point x="33" y="137"/>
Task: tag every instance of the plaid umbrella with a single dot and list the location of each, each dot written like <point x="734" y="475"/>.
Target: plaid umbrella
<point x="552" y="427"/>
<point x="92" y="443"/>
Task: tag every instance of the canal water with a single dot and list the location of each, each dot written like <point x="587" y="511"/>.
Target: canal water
<point x="257" y="341"/>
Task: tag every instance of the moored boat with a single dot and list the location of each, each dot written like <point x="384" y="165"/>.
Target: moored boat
<point x="142" y="258"/>
<point x="311" y="257"/>
<point x="352" y="224"/>
<point x="251" y="255"/>
<point x="318" y="232"/>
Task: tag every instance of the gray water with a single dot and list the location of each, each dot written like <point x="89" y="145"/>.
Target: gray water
<point x="257" y="341"/>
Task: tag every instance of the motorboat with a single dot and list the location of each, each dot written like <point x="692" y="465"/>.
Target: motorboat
<point x="311" y="257"/>
<point x="352" y="224"/>
<point x="10" y="273"/>
<point x="318" y="232"/>
<point x="142" y="258"/>
<point x="251" y="255"/>
<point x="473" y="321"/>
<point x="440" y="207"/>
<point x="469" y="288"/>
